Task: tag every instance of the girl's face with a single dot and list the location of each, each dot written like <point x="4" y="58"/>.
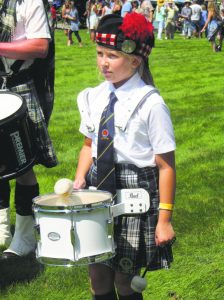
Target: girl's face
<point x="115" y="66"/>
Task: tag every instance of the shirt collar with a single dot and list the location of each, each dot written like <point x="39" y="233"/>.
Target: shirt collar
<point x="126" y="90"/>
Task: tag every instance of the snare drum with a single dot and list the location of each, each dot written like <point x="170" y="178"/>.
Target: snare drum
<point x="75" y="230"/>
<point x="17" y="153"/>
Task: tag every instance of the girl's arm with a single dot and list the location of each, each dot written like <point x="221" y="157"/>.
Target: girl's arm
<point x="63" y="15"/>
<point x="95" y="9"/>
<point x="84" y="163"/>
<point x="71" y="18"/>
<point x="167" y="185"/>
<point x="207" y="21"/>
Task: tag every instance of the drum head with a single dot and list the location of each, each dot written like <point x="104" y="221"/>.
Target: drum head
<point x="79" y="198"/>
<point x="9" y="104"/>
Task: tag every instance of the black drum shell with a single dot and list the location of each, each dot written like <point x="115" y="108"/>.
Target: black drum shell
<point x="17" y="149"/>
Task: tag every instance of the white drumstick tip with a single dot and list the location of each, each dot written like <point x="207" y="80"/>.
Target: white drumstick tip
<point x="138" y="284"/>
<point x="63" y="187"/>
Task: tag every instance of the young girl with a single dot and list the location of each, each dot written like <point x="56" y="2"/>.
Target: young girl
<point x="143" y="153"/>
<point x="74" y="19"/>
<point x="64" y="14"/>
<point x="93" y="19"/>
<point x="212" y="24"/>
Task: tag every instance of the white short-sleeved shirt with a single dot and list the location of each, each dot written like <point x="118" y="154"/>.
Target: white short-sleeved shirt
<point x="148" y="132"/>
<point x="196" y="12"/>
<point x="31" y="24"/>
<point x="31" y="21"/>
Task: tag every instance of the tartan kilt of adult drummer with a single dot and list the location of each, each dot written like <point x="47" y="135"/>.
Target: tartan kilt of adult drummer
<point x="45" y="151"/>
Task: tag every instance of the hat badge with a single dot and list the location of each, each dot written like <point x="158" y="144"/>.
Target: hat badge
<point x="128" y="46"/>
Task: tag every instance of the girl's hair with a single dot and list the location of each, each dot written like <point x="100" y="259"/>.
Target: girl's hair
<point x="212" y="7"/>
<point x="143" y="69"/>
<point x="145" y="73"/>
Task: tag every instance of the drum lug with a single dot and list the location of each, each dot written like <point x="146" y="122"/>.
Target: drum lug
<point x="72" y="235"/>
<point x="110" y="228"/>
<point x="37" y="232"/>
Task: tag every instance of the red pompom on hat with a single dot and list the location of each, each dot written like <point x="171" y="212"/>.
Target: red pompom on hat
<point x="132" y="34"/>
<point x="136" y="27"/>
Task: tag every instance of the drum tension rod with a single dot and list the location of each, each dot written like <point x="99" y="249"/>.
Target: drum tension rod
<point x="3" y="87"/>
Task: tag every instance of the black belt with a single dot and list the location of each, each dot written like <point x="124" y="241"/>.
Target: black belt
<point x="15" y="79"/>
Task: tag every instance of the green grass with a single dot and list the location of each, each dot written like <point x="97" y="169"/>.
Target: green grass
<point x="190" y="78"/>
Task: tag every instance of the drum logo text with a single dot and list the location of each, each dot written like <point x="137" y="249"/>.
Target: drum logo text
<point x="18" y="146"/>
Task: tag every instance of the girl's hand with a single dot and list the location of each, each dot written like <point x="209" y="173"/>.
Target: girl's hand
<point x="164" y="233"/>
<point x="79" y="183"/>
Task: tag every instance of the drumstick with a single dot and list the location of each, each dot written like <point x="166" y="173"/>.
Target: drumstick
<point x="63" y="187"/>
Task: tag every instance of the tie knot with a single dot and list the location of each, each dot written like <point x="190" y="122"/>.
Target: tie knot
<point x="113" y="98"/>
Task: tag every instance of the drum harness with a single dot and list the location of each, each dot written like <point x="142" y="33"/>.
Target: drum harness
<point x="14" y="76"/>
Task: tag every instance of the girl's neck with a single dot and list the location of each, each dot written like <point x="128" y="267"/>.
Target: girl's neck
<point x="120" y="83"/>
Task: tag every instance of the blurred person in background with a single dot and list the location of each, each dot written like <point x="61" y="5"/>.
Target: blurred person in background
<point x="171" y="10"/>
<point x="195" y="18"/>
<point x="53" y="19"/>
<point x="74" y="20"/>
<point x="93" y="19"/>
<point x="204" y="16"/>
<point x="117" y="7"/>
<point x="65" y="17"/>
<point x="147" y="9"/>
<point x="126" y="8"/>
<point x="214" y="25"/>
<point x="186" y="15"/>
<point x="106" y="9"/>
<point x="160" y="18"/>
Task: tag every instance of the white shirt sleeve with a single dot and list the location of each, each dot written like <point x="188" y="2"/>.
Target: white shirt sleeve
<point x="31" y="21"/>
<point x="161" y="132"/>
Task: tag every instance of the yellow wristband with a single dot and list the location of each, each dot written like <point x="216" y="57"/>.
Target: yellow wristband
<point x="166" y="206"/>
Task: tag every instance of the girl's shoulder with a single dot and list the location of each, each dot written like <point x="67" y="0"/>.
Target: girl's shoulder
<point x="94" y="92"/>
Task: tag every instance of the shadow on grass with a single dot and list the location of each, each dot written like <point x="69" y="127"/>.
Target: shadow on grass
<point x="16" y="270"/>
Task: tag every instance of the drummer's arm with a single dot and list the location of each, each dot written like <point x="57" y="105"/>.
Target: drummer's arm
<point x="25" y="49"/>
<point x="84" y="163"/>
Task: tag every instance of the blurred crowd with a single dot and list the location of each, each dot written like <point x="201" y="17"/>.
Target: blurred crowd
<point x="192" y="18"/>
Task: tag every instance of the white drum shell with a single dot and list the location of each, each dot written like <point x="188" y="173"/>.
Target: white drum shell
<point x="74" y="236"/>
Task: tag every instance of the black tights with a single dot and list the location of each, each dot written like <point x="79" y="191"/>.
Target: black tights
<point x="24" y="195"/>
<point x="76" y="34"/>
<point x="4" y="194"/>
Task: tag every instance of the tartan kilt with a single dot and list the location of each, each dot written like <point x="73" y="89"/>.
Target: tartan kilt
<point x="134" y="235"/>
<point x="45" y="152"/>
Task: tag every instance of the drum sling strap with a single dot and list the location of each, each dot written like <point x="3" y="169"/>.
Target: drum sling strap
<point x="83" y="104"/>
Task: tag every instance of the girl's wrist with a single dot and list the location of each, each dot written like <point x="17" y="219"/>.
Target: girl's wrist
<point x="166" y="206"/>
<point x="165" y="216"/>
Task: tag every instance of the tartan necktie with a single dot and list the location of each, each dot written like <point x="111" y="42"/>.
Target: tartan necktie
<point x="105" y="150"/>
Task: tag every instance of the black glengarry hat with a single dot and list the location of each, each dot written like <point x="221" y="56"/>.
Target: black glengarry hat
<point x="132" y="34"/>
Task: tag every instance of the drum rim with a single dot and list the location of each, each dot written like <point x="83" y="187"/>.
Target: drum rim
<point x="19" y="113"/>
<point x="72" y="206"/>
